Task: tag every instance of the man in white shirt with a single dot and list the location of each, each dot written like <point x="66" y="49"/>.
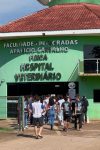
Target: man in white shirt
<point x="46" y="102"/>
<point x="38" y="110"/>
<point x="60" y="111"/>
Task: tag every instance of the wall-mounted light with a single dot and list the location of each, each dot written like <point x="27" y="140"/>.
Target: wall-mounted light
<point x="57" y="85"/>
<point x="43" y="34"/>
<point x="2" y="81"/>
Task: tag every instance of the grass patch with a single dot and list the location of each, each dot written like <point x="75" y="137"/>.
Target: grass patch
<point x="5" y="129"/>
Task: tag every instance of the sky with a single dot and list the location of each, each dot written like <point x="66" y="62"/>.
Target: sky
<point x="11" y="10"/>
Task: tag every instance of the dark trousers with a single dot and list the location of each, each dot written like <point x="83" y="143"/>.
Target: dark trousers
<point x="46" y="118"/>
<point x="78" y="121"/>
<point x="84" y="117"/>
<point x="31" y="119"/>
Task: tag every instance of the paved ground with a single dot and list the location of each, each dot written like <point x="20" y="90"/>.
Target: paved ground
<point x="87" y="139"/>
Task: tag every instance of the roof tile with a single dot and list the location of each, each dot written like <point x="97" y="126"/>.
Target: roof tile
<point x="60" y="17"/>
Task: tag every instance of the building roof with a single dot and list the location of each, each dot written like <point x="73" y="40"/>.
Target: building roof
<point x="78" y="16"/>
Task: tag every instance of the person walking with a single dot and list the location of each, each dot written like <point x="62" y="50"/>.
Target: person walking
<point x="25" y="112"/>
<point x="37" y="110"/>
<point x="60" y="110"/>
<point x="66" y="106"/>
<point x="51" y="112"/>
<point x="30" y="110"/>
<point x="85" y="109"/>
<point x="78" y="113"/>
<point x="45" y="103"/>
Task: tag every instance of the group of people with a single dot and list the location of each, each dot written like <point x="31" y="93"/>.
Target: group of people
<point x="72" y="111"/>
<point x="47" y="109"/>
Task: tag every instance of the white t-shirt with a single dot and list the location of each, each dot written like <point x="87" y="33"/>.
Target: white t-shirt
<point x="60" y="102"/>
<point x="46" y="101"/>
<point x="37" y="109"/>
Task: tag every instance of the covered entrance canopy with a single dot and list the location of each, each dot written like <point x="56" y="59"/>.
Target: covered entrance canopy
<point x="19" y="89"/>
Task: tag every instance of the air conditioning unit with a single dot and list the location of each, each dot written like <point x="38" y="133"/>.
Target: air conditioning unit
<point x="44" y="2"/>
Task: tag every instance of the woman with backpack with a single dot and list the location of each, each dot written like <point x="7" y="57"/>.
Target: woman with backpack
<point x="51" y="112"/>
<point x="78" y="113"/>
<point x="85" y="104"/>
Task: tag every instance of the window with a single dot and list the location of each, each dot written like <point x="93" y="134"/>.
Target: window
<point x="92" y="59"/>
<point x="90" y="66"/>
<point x="96" y="95"/>
<point x="91" y="51"/>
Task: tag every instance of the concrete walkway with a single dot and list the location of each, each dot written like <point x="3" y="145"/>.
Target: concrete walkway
<point x="52" y="143"/>
<point x="87" y="139"/>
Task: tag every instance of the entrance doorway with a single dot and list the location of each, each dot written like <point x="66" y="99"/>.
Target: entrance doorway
<point x="28" y="88"/>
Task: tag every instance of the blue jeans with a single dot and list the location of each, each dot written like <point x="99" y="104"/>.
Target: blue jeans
<point x="51" y="120"/>
<point x="25" y="118"/>
<point x="51" y="117"/>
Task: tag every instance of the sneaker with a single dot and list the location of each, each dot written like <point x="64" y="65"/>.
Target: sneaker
<point x="37" y="137"/>
<point x="80" y="129"/>
<point x="40" y="136"/>
<point x="26" y="127"/>
<point x="65" y="129"/>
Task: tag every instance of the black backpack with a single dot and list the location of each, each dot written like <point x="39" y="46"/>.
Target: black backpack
<point x="79" y="106"/>
<point x="66" y="106"/>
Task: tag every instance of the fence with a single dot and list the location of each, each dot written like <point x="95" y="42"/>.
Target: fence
<point x="12" y="107"/>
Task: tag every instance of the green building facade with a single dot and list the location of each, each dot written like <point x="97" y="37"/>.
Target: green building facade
<point x="58" y="60"/>
<point x="56" y="2"/>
